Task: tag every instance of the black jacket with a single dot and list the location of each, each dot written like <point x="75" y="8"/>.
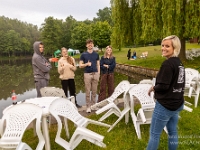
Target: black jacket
<point x="107" y="61"/>
<point x="170" y="84"/>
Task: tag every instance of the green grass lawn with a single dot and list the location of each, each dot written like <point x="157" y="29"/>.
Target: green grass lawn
<point x="154" y="58"/>
<point x="123" y="136"/>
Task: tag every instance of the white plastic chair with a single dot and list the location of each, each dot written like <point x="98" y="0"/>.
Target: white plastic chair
<point x="64" y="108"/>
<point x="15" y="121"/>
<point x="52" y="92"/>
<point x="192" y="87"/>
<point x="140" y="93"/>
<point x="111" y="107"/>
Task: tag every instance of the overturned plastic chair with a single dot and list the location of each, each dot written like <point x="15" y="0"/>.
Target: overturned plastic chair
<point x="15" y="121"/>
<point x="139" y="93"/>
<point x="111" y="107"/>
<point x="192" y="87"/>
<point x="64" y="108"/>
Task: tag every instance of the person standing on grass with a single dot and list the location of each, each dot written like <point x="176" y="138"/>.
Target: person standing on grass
<point x="107" y="66"/>
<point x="66" y="69"/>
<point x="41" y="67"/>
<point x="169" y="95"/>
<point x="89" y="60"/>
<point x="129" y="54"/>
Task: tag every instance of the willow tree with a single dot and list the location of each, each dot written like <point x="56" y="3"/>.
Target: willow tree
<point x="126" y="16"/>
<point x="160" y="18"/>
<point x="120" y="17"/>
<point x="176" y="19"/>
<point x="52" y="33"/>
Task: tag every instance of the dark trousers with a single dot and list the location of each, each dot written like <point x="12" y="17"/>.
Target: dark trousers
<point x="107" y="81"/>
<point x="69" y="85"/>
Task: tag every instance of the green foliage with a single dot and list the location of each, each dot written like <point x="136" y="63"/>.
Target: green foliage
<point x="101" y="32"/>
<point x="192" y="19"/>
<point x="68" y="26"/>
<point x="80" y="33"/>
<point x="151" y="20"/>
<point x="121" y="23"/>
<point x="104" y="15"/>
<point x="16" y="37"/>
<point x="52" y="34"/>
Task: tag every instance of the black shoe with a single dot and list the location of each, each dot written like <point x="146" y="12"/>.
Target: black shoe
<point x="78" y="106"/>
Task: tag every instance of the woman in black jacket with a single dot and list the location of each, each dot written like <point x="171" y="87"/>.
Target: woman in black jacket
<point x="107" y="66"/>
<point x="169" y="94"/>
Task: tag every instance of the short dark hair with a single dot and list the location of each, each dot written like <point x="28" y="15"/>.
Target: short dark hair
<point x="89" y="41"/>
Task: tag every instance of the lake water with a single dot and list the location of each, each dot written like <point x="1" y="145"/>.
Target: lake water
<point x="17" y="75"/>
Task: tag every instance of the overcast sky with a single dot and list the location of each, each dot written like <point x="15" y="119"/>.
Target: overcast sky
<point x="35" y="11"/>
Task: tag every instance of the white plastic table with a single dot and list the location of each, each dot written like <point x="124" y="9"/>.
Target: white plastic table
<point x="44" y="103"/>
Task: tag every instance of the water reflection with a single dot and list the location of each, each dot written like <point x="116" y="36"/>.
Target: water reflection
<point x="17" y="75"/>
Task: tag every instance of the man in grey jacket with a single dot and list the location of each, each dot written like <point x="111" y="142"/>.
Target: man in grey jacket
<point x="41" y="67"/>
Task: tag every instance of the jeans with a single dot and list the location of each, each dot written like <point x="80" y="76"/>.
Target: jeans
<point x="163" y="117"/>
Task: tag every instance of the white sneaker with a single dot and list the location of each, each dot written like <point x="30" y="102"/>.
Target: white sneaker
<point x="88" y="110"/>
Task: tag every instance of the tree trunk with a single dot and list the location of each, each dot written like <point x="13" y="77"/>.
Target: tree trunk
<point x="183" y="49"/>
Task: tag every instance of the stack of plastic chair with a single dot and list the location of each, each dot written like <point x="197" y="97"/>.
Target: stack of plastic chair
<point x="110" y="107"/>
<point x="15" y="121"/>
<point x="66" y="109"/>
<point x="192" y="85"/>
<point x="143" y="116"/>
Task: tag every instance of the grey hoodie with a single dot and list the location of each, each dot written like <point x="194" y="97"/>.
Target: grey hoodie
<point x="41" y="66"/>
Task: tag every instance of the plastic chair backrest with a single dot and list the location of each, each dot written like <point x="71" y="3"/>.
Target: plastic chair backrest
<point x="52" y="91"/>
<point x="191" y="74"/>
<point x="16" y="120"/>
<point x="122" y="87"/>
<point x="140" y="91"/>
<point x="65" y="108"/>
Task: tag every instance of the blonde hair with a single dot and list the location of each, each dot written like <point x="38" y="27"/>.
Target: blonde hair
<point x="69" y="58"/>
<point x="175" y="43"/>
<point x="105" y="52"/>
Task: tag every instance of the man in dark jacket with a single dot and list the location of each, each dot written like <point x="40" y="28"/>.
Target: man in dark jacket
<point x="41" y="67"/>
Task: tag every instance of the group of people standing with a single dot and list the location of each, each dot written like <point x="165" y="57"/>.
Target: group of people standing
<point x="89" y="60"/>
<point x="168" y="88"/>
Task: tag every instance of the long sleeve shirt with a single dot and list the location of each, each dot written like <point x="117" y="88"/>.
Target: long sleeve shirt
<point x="107" y="61"/>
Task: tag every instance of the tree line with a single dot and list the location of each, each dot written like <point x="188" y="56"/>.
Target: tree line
<point x="17" y="38"/>
<point x="147" y="21"/>
<point x="126" y="23"/>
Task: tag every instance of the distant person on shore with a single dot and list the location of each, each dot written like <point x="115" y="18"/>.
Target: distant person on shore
<point x="41" y="67"/>
<point x="66" y="69"/>
<point x="129" y="54"/>
<point x="169" y="94"/>
<point x="90" y="61"/>
<point x="134" y="54"/>
<point x="107" y="66"/>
